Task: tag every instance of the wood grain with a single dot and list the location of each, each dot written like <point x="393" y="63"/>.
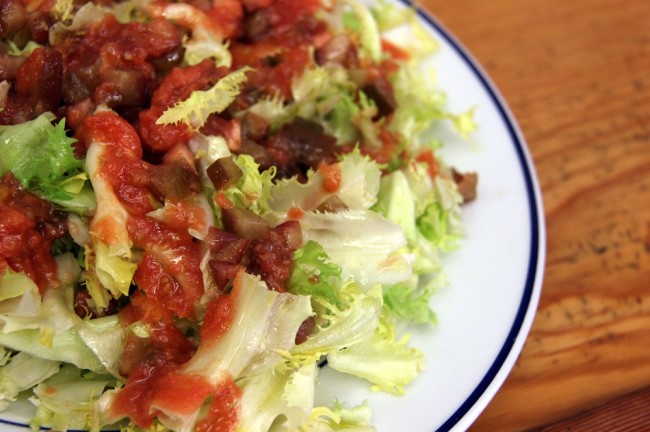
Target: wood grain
<point x="626" y="414"/>
<point x="577" y="77"/>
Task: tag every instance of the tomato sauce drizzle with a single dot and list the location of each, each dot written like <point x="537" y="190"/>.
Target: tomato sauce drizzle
<point x="168" y="276"/>
<point x="223" y="415"/>
<point x="148" y="363"/>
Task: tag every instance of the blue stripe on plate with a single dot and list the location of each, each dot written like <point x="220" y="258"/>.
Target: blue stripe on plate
<point x="527" y="170"/>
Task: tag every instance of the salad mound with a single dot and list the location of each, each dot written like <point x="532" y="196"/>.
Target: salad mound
<point x="202" y="202"/>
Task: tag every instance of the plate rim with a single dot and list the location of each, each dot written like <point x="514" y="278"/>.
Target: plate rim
<point x="496" y="374"/>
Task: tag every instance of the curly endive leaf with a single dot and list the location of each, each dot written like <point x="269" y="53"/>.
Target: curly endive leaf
<point x="194" y="110"/>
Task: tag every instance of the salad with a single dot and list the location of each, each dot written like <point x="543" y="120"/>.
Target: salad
<point x="203" y="202"/>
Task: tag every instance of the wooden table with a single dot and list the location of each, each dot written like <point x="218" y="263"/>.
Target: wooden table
<point x="576" y="74"/>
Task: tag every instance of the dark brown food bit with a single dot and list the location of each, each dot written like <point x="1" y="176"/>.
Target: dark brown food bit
<point x="9" y="65"/>
<point x="332" y="204"/>
<point x="380" y="91"/>
<point x="123" y="88"/>
<point x="257" y="25"/>
<point x="305" y="330"/>
<point x="257" y="152"/>
<point x="166" y="62"/>
<point x="175" y="180"/>
<point x="39" y="23"/>
<point x="244" y="223"/>
<point x="272" y="256"/>
<point x="253" y="126"/>
<point x="269" y="256"/>
<point x="467" y="183"/>
<point x="224" y="173"/>
<point x="223" y="272"/>
<point x="12" y="17"/>
<point x="300" y="145"/>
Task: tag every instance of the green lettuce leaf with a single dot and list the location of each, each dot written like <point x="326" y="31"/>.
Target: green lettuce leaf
<point x="366" y="26"/>
<point x="21" y="373"/>
<point x="397" y="203"/>
<point x="338" y="419"/>
<point x="389" y="364"/>
<point x="109" y="267"/>
<point x="441" y="222"/>
<point x="48" y="328"/>
<point x="358" y="188"/>
<point x="414" y="38"/>
<point x="41" y="157"/>
<point x="266" y="325"/>
<point x="67" y="399"/>
<point x="339" y="121"/>
<point x="56" y="333"/>
<point x="410" y="299"/>
<point x="253" y="189"/>
<point x="342" y="326"/>
<point x="369" y="248"/>
<point x="314" y="274"/>
<point x="18" y="293"/>
<point x="419" y="108"/>
<point x="274" y="110"/>
<point x="283" y="399"/>
<point x="202" y="45"/>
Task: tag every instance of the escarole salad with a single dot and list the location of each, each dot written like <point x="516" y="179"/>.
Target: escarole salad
<point x="202" y="203"/>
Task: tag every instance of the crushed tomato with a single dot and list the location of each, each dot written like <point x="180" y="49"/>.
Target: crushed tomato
<point x="28" y="227"/>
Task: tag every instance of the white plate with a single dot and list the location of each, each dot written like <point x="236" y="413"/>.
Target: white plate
<point x="495" y="278"/>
